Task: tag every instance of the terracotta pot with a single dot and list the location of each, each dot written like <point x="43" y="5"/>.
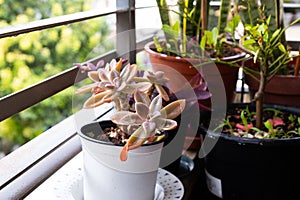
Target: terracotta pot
<point x="180" y="70"/>
<point x="282" y="89"/>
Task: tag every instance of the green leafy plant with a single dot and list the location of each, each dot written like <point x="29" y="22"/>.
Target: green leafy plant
<point x="189" y="36"/>
<point x="260" y="43"/>
<point x="264" y="41"/>
<point x="293" y="121"/>
<point x="226" y="123"/>
<point x="252" y="10"/>
<point x="276" y="124"/>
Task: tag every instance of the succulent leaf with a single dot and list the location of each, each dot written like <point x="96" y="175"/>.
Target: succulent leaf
<point x="162" y="92"/>
<point x="142" y="86"/>
<point x="157" y="77"/>
<point x="155" y="104"/>
<point x="166" y="124"/>
<point x="125" y="72"/>
<point x="126" y="118"/>
<point x="158" y="80"/>
<point x="96" y="100"/>
<point x="155" y="115"/>
<point x="174" y="109"/>
<point x="142" y="110"/>
<point x="128" y="72"/>
<point x="149" y="130"/>
<point x="140" y="79"/>
<point x="129" y="89"/>
<point x="103" y="75"/>
<point x="109" y="96"/>
<point x="135" y="141"/>
<point x="93" y="75"/>
<point x="113" y="75"/>
<point x="159" y="74"/>
<point x="130" y="119"/>
<point x="118" y="65"/>
<point x="107" y="67"/>
<point x="116" y="117"/>
<point x="120" y="85"/>
<point x="86" y="88"/>
<point x="133" y="72"/>
<point x="142" y="97"/>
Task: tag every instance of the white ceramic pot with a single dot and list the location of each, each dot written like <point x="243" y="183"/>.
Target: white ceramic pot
<point x="106" y="177"/>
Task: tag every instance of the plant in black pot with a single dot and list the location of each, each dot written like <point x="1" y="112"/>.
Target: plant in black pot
<point x="253" y="154"/>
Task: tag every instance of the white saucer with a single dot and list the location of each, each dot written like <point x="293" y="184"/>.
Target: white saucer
<point x="67" y="184"/>
<point x="168" y="186"/>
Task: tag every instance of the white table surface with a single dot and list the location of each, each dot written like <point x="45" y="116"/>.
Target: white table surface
<point x="59" y="185"/>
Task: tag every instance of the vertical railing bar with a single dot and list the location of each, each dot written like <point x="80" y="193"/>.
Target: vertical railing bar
<point x="126" y="38"/>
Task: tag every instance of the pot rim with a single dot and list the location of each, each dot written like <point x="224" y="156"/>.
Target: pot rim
<point x="263" y="141"/>
<point x="98" y="123"/>
<point x="149" y="50"/>
<point x="257" y="141"/>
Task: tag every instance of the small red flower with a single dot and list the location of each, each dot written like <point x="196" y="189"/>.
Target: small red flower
<point x="242" y="127"/>
<point x="276" y="121"/>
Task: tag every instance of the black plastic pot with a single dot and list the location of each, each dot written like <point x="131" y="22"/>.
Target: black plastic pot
<point x="253" y="169"/>
<point x="182" y="165"/>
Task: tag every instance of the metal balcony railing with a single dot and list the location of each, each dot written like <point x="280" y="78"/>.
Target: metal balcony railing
<point x="28" y="166"/>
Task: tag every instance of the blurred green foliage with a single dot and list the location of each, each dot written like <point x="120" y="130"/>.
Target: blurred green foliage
<point x="29" y="58"/>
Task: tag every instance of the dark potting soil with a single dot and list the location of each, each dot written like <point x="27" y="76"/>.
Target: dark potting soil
<point x="282" y="124"/>
<point x="227" y="52"/>
<point x="114" y="135"/>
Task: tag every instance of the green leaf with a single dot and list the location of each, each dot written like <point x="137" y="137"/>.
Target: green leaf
<point x="236" y="20"/>
<point x="244" y="120"/>
<point x="266" y="37"/>
<point x="203" y="42"/>
<point x="269" y="126"/>
<point x="220" y="126"/>
<point x="276" y="111"/>
<point x="249" y="42"/>
<point x="232" y="24"/>
<point x="209" y="37"/>
<point x="269" y="19"/>
<point x="173" y="31"/>
<point x="225" y="123"/>
<point x="256" y="55"/>
<point x="215" y="34"/>
<point x="291" y="118"/>
<point x="275" y="34"/>
<point x="176" y="27"/>
<point x="256" y="129"/>
<point x="157" y="45"/>
<point x="281" y="48"/>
